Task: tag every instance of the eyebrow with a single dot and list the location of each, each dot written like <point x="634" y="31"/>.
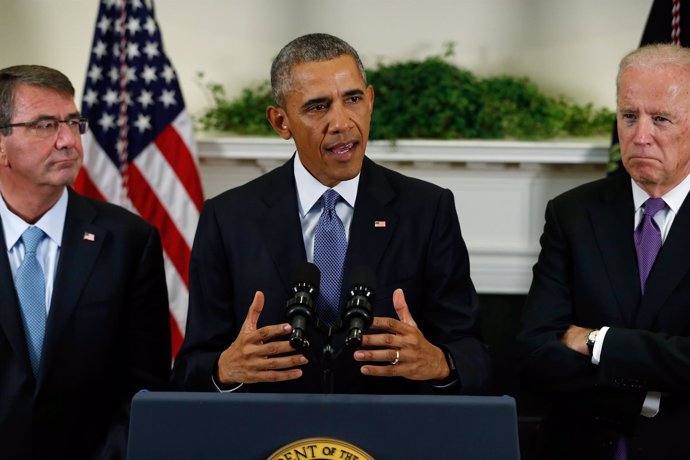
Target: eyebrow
<point x="53" y="117"/>
<point x="321" y="100"/>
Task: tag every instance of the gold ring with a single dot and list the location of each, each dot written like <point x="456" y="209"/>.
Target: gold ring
<point x="397" y="358"/>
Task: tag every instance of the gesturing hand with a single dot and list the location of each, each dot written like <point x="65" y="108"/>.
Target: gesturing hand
<point x="403" y="347"/>
<point x="251" y="358"/>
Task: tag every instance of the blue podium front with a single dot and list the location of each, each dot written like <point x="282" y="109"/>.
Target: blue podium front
<point x="255" y="426"/>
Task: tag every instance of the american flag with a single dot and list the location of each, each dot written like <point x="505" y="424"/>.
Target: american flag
<point x="139" y="151"/>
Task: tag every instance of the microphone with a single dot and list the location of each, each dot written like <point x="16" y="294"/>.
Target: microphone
<point x="300" y="306"/>
<point x="358" y="309"/>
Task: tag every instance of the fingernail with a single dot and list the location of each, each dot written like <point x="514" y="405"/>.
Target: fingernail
<point x="365" y="370"/>
<point x="359" y="355"/>
<point x="303" y="360"/>
<point x="286" y="327"/>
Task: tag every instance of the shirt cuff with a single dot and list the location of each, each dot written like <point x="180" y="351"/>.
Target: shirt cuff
<point x="651" y="404"/>
<point x="226" y="390"/>
<point x="598" y="344"/>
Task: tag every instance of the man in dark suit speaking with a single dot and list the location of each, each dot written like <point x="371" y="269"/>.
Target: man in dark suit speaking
<point x="332" y="206"/>
<point x="83" y="303"/>
<point x="607" y="321"/>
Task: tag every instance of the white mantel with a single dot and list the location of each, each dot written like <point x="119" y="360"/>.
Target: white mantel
<point x="501" y="188"/>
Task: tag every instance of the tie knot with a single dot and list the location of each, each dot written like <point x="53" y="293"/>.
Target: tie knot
<point x="653" y="205"/>
<point x="31" y="237"/>
<point x="330" y="198"/>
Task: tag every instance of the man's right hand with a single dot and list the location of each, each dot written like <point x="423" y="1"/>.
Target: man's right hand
<point x="251" y="358"/>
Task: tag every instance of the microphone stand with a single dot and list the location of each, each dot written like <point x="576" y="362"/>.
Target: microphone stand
<point x="327" y="357"/>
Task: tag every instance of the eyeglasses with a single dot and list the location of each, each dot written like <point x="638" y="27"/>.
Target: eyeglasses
<point x="47" y="127"/>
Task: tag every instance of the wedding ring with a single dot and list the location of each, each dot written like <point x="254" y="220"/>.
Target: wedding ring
<point x="397" y="358"/>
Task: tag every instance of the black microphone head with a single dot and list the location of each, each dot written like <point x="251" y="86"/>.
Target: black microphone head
<point x="363" y="276"/>
<point x="307" y="273"/>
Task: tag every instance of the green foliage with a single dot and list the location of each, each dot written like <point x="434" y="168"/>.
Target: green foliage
<point x="245" y="115"/>
<point x="434" y="99"/>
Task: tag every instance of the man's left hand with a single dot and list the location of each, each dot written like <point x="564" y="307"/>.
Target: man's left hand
<point x="403" y="348"/>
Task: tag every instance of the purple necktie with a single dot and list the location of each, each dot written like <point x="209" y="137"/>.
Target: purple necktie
<point x="330" y="247"/>
<point x="648" y="238"/>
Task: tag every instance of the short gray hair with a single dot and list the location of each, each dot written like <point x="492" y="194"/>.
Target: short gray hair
<point x="32" y="75"/>
<point x="654" y="55"/>
<point x="307" y="48"/>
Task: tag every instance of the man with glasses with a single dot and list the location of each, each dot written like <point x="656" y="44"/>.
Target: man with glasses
<point x="84" y="312"/>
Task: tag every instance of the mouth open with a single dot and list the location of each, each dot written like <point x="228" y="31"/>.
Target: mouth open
<point x="343" y="149"/>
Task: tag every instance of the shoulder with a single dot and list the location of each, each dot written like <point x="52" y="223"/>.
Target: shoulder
<point x="601" y="189"/>
<point x="405" y="186"/>
<point x="273" y="183"/>
<point x="106" y="215"/>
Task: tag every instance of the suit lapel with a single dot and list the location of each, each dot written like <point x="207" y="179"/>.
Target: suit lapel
<point x="671" y="265"/>
<point x="10" y="316"/>
<point x="368" y="240"/>
<point x="81" y="244"/>
<point x="280" y="226"/>
<point x="612" y="223"/>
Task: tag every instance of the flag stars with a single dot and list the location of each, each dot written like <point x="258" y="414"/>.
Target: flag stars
<point x="133" y="26"/>
<point x="149" y="74"/>
<point x="133" y="50"/>
<point x="168" y="98"/>
<point x="145" y="99"/>
<point x="114" y="74"/>
<point x="100" y="49"/>
<point x="143" y="123"/>
<point x="168" y="74"/>
<point x="104" y="25"/>
<point x="150" y="25"/>
<point x="91" y="97"/>
<point x="106" y="121"/>
<point x="110" y="97"/>
<point x="95" y="73"/>
<point x="151" y="50"/>
<point x="130" y="74"/>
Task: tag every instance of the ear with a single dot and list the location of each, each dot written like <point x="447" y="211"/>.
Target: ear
<point x="3" y="151"/>
<point x="278" y="120"/>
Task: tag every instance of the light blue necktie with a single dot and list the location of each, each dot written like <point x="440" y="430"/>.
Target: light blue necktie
<point x="330" y="247"/>
<point x="31" y="289"/>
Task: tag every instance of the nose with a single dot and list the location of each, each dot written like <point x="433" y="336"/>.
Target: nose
<point x="341" y="119"/>
<point x="66" y="137"/>
<point x="643" y="131"/>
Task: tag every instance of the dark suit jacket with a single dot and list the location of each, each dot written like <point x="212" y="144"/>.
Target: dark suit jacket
<point x="250" y="239"/>
<point x="107" y="336"/>
<point x="587" y="275"/>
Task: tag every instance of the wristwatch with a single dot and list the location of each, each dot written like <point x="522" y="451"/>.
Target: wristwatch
<point x="591" y="339"/>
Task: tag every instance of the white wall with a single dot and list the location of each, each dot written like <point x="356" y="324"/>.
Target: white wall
<point x="567" y="46"/>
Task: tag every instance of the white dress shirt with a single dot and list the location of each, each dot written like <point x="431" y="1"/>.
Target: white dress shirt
<point x="48" y="251"/>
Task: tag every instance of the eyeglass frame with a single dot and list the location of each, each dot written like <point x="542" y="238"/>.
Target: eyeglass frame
<point x="82" y="124"/>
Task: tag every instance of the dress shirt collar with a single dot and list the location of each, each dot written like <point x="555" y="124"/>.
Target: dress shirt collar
<point x="309" y="190"/>
<point x="52" y="223"/>
<point x="674" y="198"/>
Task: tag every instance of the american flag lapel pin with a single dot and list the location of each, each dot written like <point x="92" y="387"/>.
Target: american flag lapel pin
<point x="88" y="236"/>
<point x="379" y="224"/>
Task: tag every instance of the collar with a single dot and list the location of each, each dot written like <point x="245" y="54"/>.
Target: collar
<point x="674" y="198"/>
<point x="309" y="190"/>
<point x="52" y="223"/>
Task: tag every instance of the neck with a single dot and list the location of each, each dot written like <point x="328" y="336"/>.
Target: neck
<point x="30" y="207"/>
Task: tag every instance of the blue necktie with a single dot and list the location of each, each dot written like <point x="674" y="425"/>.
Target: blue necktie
<point x="330" y="247"/>
<point x="31" y="290"/>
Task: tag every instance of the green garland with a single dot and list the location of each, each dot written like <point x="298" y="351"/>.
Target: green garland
<point x="433" y="99"/>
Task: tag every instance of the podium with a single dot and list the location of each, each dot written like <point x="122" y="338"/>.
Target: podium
<point x="253" y="426"/>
